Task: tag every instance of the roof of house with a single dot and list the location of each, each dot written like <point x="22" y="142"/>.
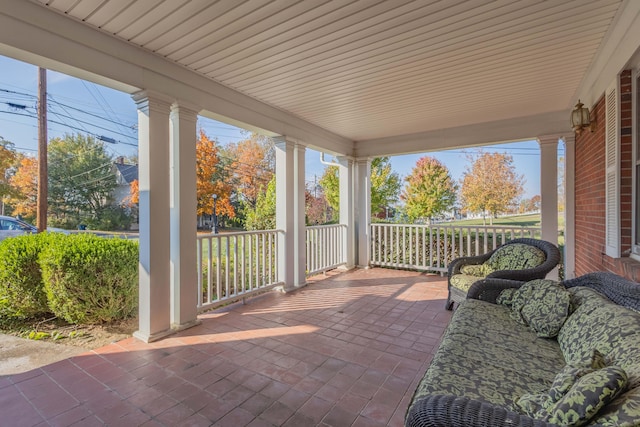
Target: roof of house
<point x="129" y="172"/>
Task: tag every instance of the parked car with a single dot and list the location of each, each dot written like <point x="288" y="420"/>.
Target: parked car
<point x="10" y="227"/>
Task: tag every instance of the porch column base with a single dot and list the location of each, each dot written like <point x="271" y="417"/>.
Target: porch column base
<point x="159" y="335"/>
<point x="142" y="336"/>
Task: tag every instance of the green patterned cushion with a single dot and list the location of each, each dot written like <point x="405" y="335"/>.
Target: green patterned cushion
<point x="567" y="377"/>
<point x="588" y="395"/>
<point x="542" y="304"/>
<point x="537" y="405"/>
<point x="623" y="411"/>
<point x="612" y="330"/>
<point x="515" y="256"/>
<point x="478" y="270"/>
<point x="463" y="281"/>
<point x="506" y="297"/>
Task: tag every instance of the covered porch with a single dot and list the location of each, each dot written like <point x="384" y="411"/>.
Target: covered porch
<point x="348" y="350"/>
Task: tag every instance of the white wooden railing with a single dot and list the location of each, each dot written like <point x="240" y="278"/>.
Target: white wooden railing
<point x="235" y="265"/>
<point x="432" y="248"/>
<point x="325" y="247"/>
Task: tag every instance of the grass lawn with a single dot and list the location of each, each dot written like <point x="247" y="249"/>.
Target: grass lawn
<point x="532" y="220"/>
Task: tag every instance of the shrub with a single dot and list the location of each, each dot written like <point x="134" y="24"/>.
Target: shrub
<point x="22" y="292"/>
<point x="90" y="279"/>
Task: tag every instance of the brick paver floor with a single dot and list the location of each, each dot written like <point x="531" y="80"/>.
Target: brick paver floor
<point x="346" y="350"/>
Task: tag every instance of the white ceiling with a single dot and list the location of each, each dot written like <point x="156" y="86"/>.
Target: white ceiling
<point x="373" y="69"/>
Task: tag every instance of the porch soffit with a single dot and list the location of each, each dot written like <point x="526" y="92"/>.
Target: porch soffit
<point x="369" y="70"/>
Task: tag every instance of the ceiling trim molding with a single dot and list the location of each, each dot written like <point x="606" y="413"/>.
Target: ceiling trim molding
<point x="33" y="33"/>
<point x="502" y="131"/>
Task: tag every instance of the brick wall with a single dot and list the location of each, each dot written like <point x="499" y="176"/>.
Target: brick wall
<point x="590" y="192"/>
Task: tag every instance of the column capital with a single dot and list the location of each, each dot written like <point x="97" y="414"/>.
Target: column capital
<point x="569" y="139"/>
<point x="186" y="110"/>
<point x="548" y="139"/>
<point x="287" y="143"/>
<point x="148" y="100"/>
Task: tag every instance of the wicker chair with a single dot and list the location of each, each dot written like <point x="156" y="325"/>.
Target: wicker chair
<point x="551" y="259"/>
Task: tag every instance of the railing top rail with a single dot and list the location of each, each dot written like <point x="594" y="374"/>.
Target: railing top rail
<point x="326" y="226"/>
<point x="470" y="227"/>
<point x="238" y="233"/>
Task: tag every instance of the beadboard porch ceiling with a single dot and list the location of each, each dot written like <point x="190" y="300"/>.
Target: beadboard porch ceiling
<point x="371" y="69"/>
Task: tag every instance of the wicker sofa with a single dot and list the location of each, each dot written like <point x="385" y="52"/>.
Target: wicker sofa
<point x="493" y="370"/>
<point x="518" y="259"/>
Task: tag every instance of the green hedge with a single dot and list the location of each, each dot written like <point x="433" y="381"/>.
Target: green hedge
<point x="81" y="278"/>
<point x="90" y="279"/>
<point x="21" y="289"/>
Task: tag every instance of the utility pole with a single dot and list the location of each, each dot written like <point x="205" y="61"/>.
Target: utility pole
<point x="42" y="151"/>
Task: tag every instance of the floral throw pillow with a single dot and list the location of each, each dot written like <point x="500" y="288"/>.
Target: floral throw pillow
<point x="543" y="305"/>
<point x="587" y="396"/>
<point x="578" y="392"/>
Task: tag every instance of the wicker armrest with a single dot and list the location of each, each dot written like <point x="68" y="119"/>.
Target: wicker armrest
<point x="453" y="411"/>
<point x="489" y="289"/>
<point x="458" y="263"/>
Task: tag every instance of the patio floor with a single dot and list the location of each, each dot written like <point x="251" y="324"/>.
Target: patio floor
<point x="347" y="350"/>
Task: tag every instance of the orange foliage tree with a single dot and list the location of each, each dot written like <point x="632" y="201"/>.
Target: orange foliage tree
<point x="25" y="185"/>
<point x="491" y="184"/>
<point x="211" y="179"/>
<point x="134" y="194"/>
<point x="252" y="167"/>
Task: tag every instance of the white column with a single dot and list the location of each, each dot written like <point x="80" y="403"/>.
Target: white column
<point x="184" y="280"/>
<point x="290" y="214"/>
<point x="347" y="209"/>
<point x="153" y="180"/>
<point x="569" y="206"/>
<point x="363" y="211"/>
<point x="549" y="191"/>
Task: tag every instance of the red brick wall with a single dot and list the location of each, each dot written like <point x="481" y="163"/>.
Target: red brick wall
<point x="590" y="191"/>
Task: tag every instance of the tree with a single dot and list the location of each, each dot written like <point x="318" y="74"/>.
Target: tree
<point x="263" y="215"/>
<point x="252" y="164"/>
<point x="25" y="188"/>
<point x="8" y="158"/>
<point x="81" y="180"/>
<point x="429" y="191"/>
<point x="490" y="184"/>
<point x="134" y="194"/>
<point x="317" y="209"/>
<point x="211" y="179"/>
<point x="385" y="186"/>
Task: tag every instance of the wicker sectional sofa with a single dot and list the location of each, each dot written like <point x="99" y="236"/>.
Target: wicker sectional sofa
<point x="494" y="369"/>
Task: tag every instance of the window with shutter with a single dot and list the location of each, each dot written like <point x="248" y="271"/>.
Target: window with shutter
<point x="612" y="174"/>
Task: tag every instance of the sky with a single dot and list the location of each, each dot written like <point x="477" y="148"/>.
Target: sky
<point x="75" y="105"/>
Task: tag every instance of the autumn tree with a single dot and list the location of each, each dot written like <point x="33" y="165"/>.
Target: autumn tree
<point x="25" y="188"/>
<point x="251" y="165"/>
<point x="134" y="194"/>
<point x="429" y="190"/>
<point x="317" y="210"/>
<point x="385" y="185"/>
<point x="491" y="184"/>
<point x="211" y="178"/>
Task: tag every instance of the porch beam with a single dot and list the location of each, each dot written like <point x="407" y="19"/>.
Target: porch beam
<point x="347" y="208"/>
<point x="154" y="237"/>
<point x="290" y="215"/>
<point x="569" y="206"/>
<point x="549" y="191"/>
<point x="363" y="211"/>
<point x="183" y="204"/>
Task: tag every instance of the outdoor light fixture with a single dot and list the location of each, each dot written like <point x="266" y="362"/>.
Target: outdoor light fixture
<point x="580" y="118"/>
